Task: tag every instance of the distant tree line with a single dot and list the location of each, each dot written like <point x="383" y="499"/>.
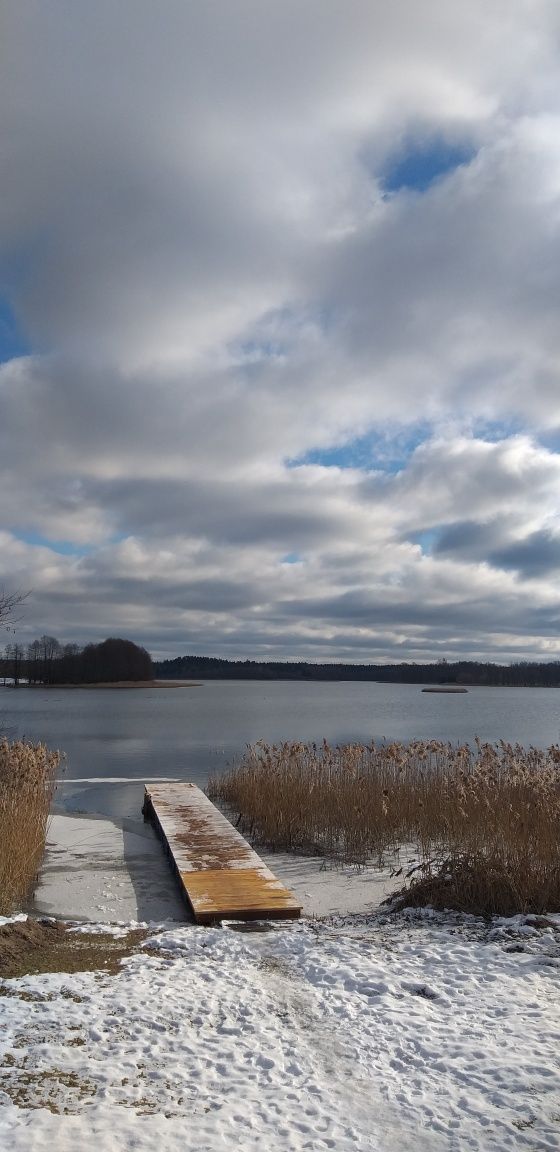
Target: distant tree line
<point x="46" y="661"/>
<point x="464" y="672"/>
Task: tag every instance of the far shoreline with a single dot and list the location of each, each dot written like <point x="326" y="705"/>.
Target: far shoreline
<point x="116" y="684"/>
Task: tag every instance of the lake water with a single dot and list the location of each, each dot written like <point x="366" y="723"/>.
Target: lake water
<point x="116" y="740"/>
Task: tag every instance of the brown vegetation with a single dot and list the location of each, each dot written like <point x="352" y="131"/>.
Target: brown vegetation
<point x="27" y="779"/>
<point x="32" y="946"/>
<point x="482" y="822"/>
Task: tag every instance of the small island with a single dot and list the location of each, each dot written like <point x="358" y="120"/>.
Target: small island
<point x="445" y="688"/>
<point x="113" y="662"/>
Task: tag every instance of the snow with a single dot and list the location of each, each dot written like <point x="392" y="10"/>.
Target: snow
<point x="19" y="917"/>
<point x="360" y="1033"/>
<point x="120" y="780"/>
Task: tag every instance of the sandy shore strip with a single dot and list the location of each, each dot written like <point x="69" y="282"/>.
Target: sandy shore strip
<point x="122" y="684"/>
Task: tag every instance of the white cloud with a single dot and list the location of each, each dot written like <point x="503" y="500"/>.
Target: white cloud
<point x="197" y="246"/>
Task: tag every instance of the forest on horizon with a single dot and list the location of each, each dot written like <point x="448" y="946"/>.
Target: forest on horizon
<point x="463" y="672"/>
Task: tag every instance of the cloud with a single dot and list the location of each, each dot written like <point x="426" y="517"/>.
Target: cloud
<point x="239" y="347"/>
<point x="536" y="555"/>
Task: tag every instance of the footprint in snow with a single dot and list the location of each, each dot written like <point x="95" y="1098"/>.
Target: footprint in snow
<point x="422" y="990"/>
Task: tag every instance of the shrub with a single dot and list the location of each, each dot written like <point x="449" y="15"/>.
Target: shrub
<point x="483" y="823"/>
<point x="27" y="780"/>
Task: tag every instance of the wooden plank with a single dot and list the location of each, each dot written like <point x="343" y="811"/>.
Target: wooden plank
<point x="221" y="876"/>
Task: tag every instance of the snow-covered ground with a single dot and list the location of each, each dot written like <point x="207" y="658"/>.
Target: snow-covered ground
<point x="372" y="1033"/>
<point x="356" y="1031"/>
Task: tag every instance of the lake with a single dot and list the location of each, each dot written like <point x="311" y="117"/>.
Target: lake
<point x="114" y="740"/>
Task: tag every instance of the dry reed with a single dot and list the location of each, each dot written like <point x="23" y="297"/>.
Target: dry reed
<point x="27" y="780"/>
<point x="483" y="823"/>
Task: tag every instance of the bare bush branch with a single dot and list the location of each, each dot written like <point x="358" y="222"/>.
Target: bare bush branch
<point x="9" y="603"/>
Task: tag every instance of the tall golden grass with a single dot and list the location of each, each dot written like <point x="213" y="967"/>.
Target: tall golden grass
<point x="27" y="780"/>
<point x="482" y="822"/>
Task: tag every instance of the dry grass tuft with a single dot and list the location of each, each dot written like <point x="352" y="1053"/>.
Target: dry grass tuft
<point x="27" y="780"/>
<point x="484" y="822"/>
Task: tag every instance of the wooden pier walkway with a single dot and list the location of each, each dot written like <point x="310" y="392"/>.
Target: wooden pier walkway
<point x="220" y="875"/>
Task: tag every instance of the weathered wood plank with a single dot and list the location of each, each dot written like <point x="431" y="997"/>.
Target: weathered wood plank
<point x="221" y="876"/>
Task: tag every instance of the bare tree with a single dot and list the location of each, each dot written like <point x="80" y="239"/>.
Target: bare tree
<point x="9" y="603"/>
<point x="15" y="656"/>
<point x="34" y="661"/>
<point x="50" y="651"/>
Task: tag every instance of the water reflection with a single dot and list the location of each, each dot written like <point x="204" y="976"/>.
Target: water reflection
<point x="127" y="736"/>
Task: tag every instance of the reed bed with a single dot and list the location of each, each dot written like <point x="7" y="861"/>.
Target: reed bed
<point x="27" y="781"/>
<point x="483" y="823"/>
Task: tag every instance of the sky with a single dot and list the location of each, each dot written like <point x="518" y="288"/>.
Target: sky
<point x="279" y="336"/>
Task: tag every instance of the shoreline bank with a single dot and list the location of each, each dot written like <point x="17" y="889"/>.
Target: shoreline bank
<point x="116" y="684"/>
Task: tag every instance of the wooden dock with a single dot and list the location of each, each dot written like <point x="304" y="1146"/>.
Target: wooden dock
<point x="221" y="877"/>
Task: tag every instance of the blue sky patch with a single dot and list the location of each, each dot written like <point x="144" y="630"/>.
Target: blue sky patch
<point x="377" y="451"/>
<point x="254" y="351"/>
<point x="550" y="440"/>
<point x="493" y="431"/>
<point x="421" y="163"/>
<point x="426" y="540"/>
<point x="63" y="547"/>
<point x="12" y="341"/>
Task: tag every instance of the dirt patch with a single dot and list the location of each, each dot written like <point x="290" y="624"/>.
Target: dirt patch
<point x="33" y="946"/>
<point x="43" y="1089"/>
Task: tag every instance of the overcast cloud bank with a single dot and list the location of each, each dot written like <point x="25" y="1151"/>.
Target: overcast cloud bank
<point x="279" y="310"/>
